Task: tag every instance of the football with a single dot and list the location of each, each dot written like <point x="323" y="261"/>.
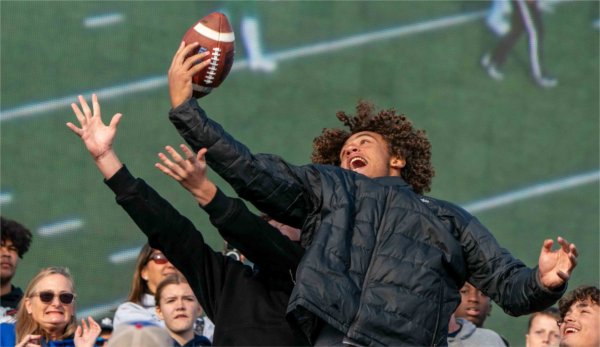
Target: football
<point x="213" y="33"/>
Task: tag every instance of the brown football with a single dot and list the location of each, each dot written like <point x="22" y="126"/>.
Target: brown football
<point x="213" y="33"/>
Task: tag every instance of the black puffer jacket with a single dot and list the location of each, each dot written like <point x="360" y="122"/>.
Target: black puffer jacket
<point x="384" y="264"/>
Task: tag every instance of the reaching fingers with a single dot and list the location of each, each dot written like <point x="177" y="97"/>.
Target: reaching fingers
<point x="188" y="152"/>
<point x="201" y="154"/>
<point x="84" y="106"/>
<point x="563" y="276"/>
<point x="115" y="120"/>
<point x="74" y="129"/>
<point x="78" y="113"/>
<point x="196" y="62"/>
<point x="168" y="172"/>
<point x="574" y="250"/>
<point x="96" y="105"/>
<point x="175" y="155"/>
<point x="183" y="52"/>
<point x="547" y="247"/>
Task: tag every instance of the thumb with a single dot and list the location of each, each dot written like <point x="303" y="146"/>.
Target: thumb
<point x="201" y="154"/>
<point x="116" y="119"/>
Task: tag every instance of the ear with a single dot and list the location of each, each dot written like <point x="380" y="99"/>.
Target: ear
<point x="28" y="305"/>
<point x="397" y="163"/>
<point x="159" y="312"/>
<point x="144" y="273"/>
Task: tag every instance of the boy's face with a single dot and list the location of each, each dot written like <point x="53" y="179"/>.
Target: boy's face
<point x="474" y="305"/>
<point x="178" y="307"/>
<point x="9" y="259"/>
<point x="368" y="153"/>
<point x="581" y="324"/>
<point x="543" y="332"/>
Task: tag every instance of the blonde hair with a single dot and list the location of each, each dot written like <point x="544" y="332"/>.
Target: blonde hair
<point x="25" y="324"/>
<point x="139" y="286"/>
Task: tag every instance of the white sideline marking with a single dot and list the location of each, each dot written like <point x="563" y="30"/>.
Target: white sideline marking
<point x="532" y="191"/>
<point x="5" y="198"/>
<point x="253" y="44"/>
<point x="103" y="20"/>
<point x="61" y="227"/>
<point x="124" y="255"/>
<point x="159" y="81"/>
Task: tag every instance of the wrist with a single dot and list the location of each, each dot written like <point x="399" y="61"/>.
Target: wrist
<point x="205" y="193"/>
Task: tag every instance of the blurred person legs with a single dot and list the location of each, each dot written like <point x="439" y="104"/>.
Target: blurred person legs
<point x="526" y="17"/>
<point x="497" y="19"/>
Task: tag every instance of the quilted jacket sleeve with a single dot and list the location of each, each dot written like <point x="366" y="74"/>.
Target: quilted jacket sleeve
<point x="271" y="184"/>
<point x="494" y="270"/>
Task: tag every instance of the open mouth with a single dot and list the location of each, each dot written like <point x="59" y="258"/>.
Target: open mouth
<point x="357" y="163"/>
<point x="570" y="330"/>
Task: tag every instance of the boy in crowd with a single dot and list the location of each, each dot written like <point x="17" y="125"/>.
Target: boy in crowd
<point x="580" y="317"/>
<point x="15" y="243"/>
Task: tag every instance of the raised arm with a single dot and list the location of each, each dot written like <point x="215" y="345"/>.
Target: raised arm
<point x="97" y="137"/>
<point x="259" y="241"/>
<point x="271" y="184"/>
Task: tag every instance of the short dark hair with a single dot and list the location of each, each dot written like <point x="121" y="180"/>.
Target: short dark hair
<point x="578" y="294"/>
<point x="551" y="312"/>
<point x="404" y="141"/>
<point x="16" y="233"/>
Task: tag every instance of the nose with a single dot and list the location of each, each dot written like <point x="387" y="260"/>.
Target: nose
<point x="473" y="296"/>
<point x="351" y="149"/>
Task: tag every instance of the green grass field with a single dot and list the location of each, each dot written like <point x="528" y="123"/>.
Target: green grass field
<point x="489" y="138"/>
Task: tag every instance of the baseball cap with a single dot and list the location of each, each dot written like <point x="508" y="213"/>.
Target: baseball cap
<point x="139" y="334"/>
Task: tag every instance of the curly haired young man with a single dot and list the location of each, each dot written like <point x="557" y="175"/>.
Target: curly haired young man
<point x="383" y="264"/>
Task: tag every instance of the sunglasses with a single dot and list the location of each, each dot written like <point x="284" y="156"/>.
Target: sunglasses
<point x="158" y="258"/>
<point x="48" y="297"/>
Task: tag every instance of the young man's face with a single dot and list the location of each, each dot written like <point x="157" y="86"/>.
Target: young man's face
<point x="368" y="153"/>
<point x="9" y="259"/>
<point x="581" y="324"/>
<point x="544" y="332"/>
<point x="178" y="307"/>
<point x="474" y="305"/>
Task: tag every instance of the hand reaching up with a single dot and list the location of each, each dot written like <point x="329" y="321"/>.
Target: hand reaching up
<point x="190" y="172"/>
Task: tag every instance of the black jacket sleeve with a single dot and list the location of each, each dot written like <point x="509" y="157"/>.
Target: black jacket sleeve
<point x="494" y="270"/>
<point x="176" y="236"/>
<point x="271" y="184"/>
<point x="270" y="250"/>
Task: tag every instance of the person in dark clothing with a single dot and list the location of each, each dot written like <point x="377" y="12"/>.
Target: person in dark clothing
<point x="16" y="240"/>
<point x="383" y="264"/>
<point x="247" y="305"/>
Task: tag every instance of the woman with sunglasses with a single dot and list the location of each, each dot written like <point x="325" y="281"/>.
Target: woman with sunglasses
<point x="46" y="315"/>
<point x="150" y="269"/>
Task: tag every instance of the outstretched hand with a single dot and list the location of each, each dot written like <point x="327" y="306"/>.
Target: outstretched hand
<point x="555" y="267"/>
<point x="190" y="172"/>
<point x="85" y="336"/>
<point x="96" y="136"/>
<point x="183" y="67"/>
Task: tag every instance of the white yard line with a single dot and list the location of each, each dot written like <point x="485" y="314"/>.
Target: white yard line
<point x="125" y="255"/>
<point x="61" y="227"/>
<point x="103" y="20"/>
<point x="532" y="191"/>
<point x="5" y="198"/>
<point x="151" y="83"/>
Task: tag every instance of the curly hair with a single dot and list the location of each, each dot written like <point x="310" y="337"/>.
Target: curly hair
<point x="578" y="294"/>
<point x="404" y="142"/>
<point x="16" y="233"/>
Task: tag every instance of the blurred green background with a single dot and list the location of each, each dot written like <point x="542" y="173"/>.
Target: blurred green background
<point x="489" y="138"/>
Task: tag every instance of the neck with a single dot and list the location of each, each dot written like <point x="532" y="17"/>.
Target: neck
<point x="5" y="288"/>
<point x="183" y="337"/>
<point x="453" y="325"/>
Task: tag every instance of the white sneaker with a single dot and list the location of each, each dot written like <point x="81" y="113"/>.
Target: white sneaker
<point x="498" y="26"/>
<point x="546" y="81"/>
<point x="490" y="68"/>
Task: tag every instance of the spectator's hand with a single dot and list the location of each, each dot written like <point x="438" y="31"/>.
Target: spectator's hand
<point x="555" y="267"/>
<point x="30" y="341"/>
<point x="181" y="71"/>
<point x="189" y="172"/>
<point x="96" y="136"/>
<point x="85" y="336"/>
